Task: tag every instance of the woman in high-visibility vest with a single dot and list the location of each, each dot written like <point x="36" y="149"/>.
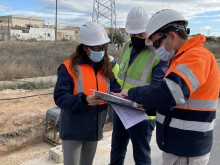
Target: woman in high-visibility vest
<point x="82" y="114"/>
<point x="186" y="100"/>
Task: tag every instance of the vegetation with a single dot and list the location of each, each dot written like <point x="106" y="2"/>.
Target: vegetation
<point x="213" y="44"/>
<point x="32" y="59"/>
<point x="117" y="38"/>
<point x="38" y="59"/>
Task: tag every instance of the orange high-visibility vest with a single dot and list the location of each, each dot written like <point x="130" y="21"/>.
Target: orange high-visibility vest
<point x="87" y="79"/>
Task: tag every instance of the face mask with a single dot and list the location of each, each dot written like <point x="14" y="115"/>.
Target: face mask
<point x="96" y="56"/>
<point x="138" y="43"/>
<point x="164" y="54"/>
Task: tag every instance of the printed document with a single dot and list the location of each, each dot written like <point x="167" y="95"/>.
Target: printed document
<point x="127" y="110"/>
<point x="129" y="116"/>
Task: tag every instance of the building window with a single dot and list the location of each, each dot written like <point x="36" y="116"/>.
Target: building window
<point x="25" y="31"/>
<point x="48" y="34"/>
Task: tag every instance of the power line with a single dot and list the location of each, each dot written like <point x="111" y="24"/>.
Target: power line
<point x="50" y="5"/>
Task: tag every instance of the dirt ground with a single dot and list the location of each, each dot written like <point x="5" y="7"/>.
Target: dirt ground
<point x="18" y="119"/>
<point x="22" y="119"/>
<point x="13" y="112"/>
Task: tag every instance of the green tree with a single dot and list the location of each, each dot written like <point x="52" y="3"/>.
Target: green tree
<point x="117" y="38"/>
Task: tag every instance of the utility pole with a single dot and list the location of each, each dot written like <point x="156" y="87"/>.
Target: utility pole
<point x="9" y="37"/>
<point x="56" y="26"/>
<point x="208" y="32"/>
<point x="1" y="30"/>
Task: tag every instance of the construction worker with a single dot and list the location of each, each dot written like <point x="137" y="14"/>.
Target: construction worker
<point x="186" y="99"/>
<point x="82" y="115"/>
<point x="138" y="66"/>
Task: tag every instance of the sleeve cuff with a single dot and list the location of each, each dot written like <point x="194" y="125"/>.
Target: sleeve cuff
<point x="83" y="98"/>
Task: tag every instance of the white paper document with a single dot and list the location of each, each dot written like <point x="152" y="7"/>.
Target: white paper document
<point x="129" y="116"/>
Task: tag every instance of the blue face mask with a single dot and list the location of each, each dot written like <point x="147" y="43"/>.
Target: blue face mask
<point x="96" y="56"/>
<point x="163" y="54"/>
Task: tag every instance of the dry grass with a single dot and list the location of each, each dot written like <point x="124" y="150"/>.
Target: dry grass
<point x="32" y="59"/>
<point x="37" y="59"/>
<point x="214" y="47"/>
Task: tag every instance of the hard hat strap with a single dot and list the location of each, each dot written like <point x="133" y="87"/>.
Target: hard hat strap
<point x="177" y="26"/>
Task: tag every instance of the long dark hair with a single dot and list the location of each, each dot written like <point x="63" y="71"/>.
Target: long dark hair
<point x="80" y="55"/>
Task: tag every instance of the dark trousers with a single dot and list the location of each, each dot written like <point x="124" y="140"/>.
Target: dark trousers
<point x="110" y="114"/>
<point x="140" y="135"/>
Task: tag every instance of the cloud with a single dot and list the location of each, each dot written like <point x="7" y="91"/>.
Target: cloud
<point x="206" y="28"/>
<point x="76" y="12"/>
<point x="216" y="20"/>
<point x="3" y="7"/>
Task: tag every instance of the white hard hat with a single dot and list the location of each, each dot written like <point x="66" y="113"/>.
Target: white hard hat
<point x="111" y="58"/>
<point x="92" y="34"/>
<point x="162" y="18"/>
<point x="136" y="21"/>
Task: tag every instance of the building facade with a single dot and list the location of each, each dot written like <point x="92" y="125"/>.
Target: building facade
<point x="21" y="21"/>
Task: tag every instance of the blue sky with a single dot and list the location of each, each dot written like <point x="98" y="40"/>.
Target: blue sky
<point x="203" y="15"/>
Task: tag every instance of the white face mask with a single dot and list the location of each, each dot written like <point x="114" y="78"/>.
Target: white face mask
<point x="96" y="56"/>
<point x="164" y="54"/>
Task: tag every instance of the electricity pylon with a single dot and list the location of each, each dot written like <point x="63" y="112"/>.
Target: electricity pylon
<point x="104" y="13"/>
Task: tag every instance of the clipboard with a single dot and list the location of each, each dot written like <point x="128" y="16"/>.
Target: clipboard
<point x="116" y="99"/>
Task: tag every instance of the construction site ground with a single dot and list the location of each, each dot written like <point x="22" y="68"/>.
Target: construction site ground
<point x="22" y="122"/>
<point x="22" y="126"/>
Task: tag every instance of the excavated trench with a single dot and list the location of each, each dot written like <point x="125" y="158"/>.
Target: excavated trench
<point x="21" y="130"/>
<point x="12" y="141"/>
<point x="22" y="120"/>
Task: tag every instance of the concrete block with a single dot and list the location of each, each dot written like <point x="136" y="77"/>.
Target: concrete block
<point x="56" y="153"/>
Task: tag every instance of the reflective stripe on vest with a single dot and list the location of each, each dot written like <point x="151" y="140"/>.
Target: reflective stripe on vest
<point x="175" y="91"/>
<point x="144" y="76"/>
<point x="87" y="79"/>
<point x="187" y="125"/>
<point x="186" y="71"/>
<point x="202" y="105"/>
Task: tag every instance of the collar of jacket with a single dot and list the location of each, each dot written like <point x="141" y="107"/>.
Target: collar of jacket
<point x="198" y="40"/>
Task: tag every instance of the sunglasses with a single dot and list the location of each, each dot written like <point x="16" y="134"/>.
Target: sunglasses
<point x="156" y="43"/>
<point x="99" y="47"/>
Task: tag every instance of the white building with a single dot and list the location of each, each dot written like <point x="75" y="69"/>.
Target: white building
<point x="38" y="34"/>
